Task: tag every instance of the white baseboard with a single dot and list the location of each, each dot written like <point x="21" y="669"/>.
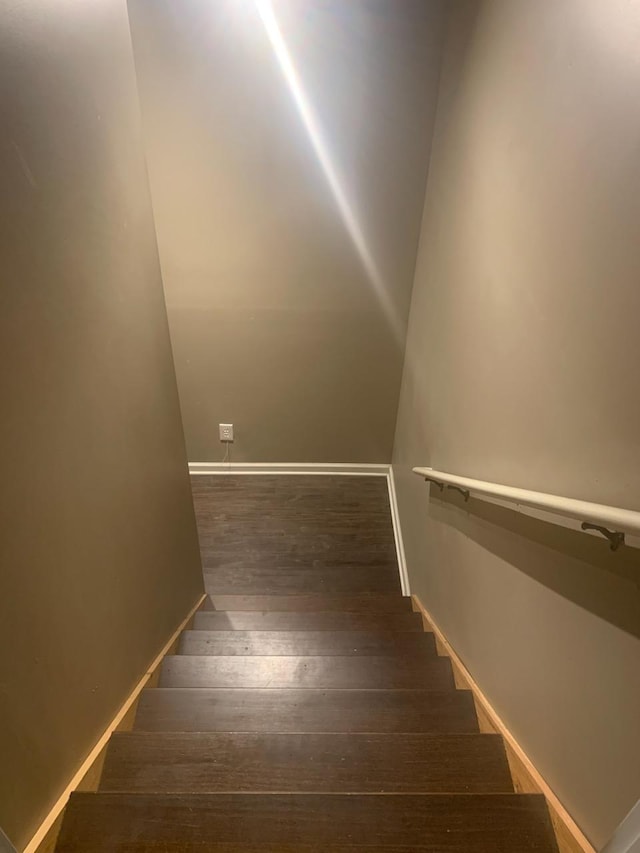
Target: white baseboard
<point x="527" y="778"/>
<point x="253" y="468"/>
<point x="343" y="469"/>
<point x="626" y="839"/>
<point x="397" y="533"/>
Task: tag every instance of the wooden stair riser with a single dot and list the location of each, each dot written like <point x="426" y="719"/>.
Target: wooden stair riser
<point x="318" y="621"/>
<point x="397" y="672"/>
<point x="299" y="643"/>
<point x="372" y="603"/>
<point x="265" y="710"/>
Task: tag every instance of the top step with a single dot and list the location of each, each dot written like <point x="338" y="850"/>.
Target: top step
<point x="373" y="603"/>
<point x="319" y="620"/>
<point x="301" y="578"/>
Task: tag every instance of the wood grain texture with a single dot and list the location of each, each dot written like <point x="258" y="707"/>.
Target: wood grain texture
<point x="306" y="823"/>
<point x="316" y="621"/>
<point x="222" y="710"/>
<point x="371" y="603"/>
<point x="303" y="520"/>
<point x="285" y="579"/>
<point x="284" y="535"/>
<point x="312" y="763"/>
<point x="401" y="671"/>
<point x="305" y="643"/>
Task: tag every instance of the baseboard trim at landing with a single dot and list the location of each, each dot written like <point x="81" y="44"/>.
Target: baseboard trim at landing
<point x="526" y="778"/>
<point x="344" y="469"/>
<point x="341" y="468"/>
<point x="87" y="776"/>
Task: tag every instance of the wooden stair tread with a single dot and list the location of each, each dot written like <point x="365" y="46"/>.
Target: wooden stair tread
<point x="305" y="643"/>
<point x="400" y="671"/>
<point x="333" y="763"/>
<point x="337" y="823"/>
<point x="281" y="579"/>
<point x="240" y="620"/>
<point x="372" y="603"/>
<point x="276" y="710"/>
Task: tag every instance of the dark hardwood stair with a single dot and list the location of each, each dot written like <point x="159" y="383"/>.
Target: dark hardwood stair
<point x="243" y="620"/>
<point x="306" y="711"/>
<point x="198" y="762"/>
<point x="366" y="603"/>
<point x="300" y="580"/>
<point x="306" y="823"/>
<point x="309" y="710"/>
<point x="385" y="672"/>
<point x="306" y="643"/>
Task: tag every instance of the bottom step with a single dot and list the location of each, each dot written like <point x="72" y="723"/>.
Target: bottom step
<point x="307" y="823"/>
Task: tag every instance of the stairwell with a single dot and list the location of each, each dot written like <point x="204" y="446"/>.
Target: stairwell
<point x="306" y="708"/>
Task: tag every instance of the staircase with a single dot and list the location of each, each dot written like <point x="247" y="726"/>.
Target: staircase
<point x="306" y="709"/>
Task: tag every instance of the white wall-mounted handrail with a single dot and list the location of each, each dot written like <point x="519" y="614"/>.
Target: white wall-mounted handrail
<point x="617" y="521"/>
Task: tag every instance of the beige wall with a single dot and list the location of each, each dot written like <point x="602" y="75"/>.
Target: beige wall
<point x="522" y="368"/>
<point x="98" y="547"/>
<point x="275" y="324"/>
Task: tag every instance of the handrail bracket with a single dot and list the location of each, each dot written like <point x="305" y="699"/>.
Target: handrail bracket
<point x="435" y="483"/>
<point x="615" y="537"/>
<point x="463" y="492"/>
